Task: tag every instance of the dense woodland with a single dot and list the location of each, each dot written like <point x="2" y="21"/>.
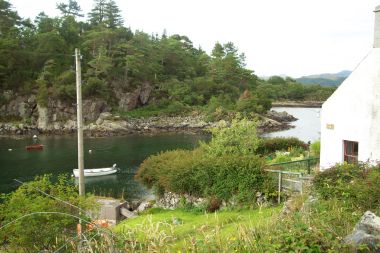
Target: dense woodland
<point x="36" y="57"/>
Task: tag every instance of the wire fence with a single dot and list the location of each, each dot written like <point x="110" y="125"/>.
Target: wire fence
<point x="292" y="176"/>
<point x="306" y="166"/>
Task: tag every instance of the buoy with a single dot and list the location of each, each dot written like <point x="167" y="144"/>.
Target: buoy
<point x="9" y="149"/>
<point x="90" y="151"/>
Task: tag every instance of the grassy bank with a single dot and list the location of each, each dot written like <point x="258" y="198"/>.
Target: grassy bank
<point x="179" y="230"/>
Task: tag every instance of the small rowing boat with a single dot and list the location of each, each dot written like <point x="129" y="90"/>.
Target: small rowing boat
<point x="35" y="147"/>
<point x="97" y="172"/>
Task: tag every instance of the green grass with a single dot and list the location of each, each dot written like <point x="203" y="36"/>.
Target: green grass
<point x="181" y="230"/>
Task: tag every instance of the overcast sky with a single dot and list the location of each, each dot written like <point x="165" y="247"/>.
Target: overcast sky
<point x="292" y="37"/>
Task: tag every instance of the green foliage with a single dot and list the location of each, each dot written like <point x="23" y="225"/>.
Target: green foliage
<point x="95" y="86"/>
<point x="41" y="231"/>
<point x="315" y="148"/>
<point x="70" y="9"/>
<point x="276" y="80"/>
<point x="64" y="86"/>
<point x="224" y="231"/>
<point x="219" y="108"/>
<point x="225" y="168"/>
<point x="248" y="104"/>
<point x="240" y="138"/>
<point x="281" y="157"/>
<point x="271" y="145"/>
<point x="42" y="95"/>
<point x="355" y="184"/>
<point x="115" y="60"/>
<point x="225" y="177"/>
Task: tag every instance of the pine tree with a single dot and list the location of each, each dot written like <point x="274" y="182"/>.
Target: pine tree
<point x="70" y="9"/>
<point x="8" y="18"/>
<point x="97" y="14"/>
<point x="113" y="18"/>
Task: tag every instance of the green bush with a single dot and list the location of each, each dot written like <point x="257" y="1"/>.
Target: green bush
<point x="39" y="232"/>
<point x="64" y="86"/>
<point x="270" y="145"/>
<point x="240" y="138"/>
<point x="315" y="148"/>
<point x="355" y="184"/>
<point x="224" y="168"/>
<point x="281" y="157"/>
<point x="95" y="87"/>
<point x="162" y="170"/>
<point x="191" y="172"/>
<point x="218" y="108"/>
<point x="42" y="95"/>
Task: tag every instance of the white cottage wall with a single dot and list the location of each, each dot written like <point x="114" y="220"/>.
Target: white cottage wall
<point x="354" y="114"/>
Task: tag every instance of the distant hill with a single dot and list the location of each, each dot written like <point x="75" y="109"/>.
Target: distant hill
<point x="327" y="79"/>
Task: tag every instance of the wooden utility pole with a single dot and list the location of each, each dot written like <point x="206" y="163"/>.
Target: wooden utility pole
<point x="79" y="122"/>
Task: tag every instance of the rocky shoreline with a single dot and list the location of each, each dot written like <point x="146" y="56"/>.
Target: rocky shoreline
<point x="308" y="104"/>
<point x="112" y="125"/>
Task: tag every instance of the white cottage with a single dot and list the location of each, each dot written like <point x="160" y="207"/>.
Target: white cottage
<point x="350" y="118"/>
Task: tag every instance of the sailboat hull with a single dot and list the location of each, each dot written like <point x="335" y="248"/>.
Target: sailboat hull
<point x="96" y="172"/>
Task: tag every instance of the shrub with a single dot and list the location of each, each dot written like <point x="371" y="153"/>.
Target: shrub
<point x="270" y="145"/>
<point x="64" y="86"/>
<point x="282" y="157"/>
<point x="42" y="95"/>
<point x="41" y="231"/>
<point x="315" y="148"/>
<point x="170" y="171"/>
<point x="355" y="184"/>
<point x="222" y="177"/>
<point x="239" y="138"/>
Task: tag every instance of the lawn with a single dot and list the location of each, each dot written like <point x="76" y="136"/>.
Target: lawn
<point x="183" y="231"/>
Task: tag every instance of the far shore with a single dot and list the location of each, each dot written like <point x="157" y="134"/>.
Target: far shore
<point x="309" y="104"/>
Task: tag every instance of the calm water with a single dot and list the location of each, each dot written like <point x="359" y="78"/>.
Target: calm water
<point x="307" y="127"/>
<point x="60" y="156"/>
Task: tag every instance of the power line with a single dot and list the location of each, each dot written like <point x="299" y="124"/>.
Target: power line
<point x="63" y="201"/>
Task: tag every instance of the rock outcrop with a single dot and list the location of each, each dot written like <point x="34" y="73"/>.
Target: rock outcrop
<point x="59" y="117"/>
<point x="366" y="232"/>
<point x="281" y="116"/>
<point x="138" y="97"/>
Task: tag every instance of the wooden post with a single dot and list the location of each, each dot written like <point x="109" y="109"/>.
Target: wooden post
<point x="79" y="122"/>
<point x="279" y="186"/>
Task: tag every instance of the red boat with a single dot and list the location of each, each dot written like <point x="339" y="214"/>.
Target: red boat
<point x="35" y="147"/>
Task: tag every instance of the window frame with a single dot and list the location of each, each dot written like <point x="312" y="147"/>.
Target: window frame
<point x="350" y="151"/>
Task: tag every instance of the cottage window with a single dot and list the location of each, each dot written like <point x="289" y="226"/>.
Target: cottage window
<point x="351" y="150"/>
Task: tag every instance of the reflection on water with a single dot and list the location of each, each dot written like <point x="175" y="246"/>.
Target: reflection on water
<point x="307" y="127"/>
<point x="59" y="156"/>
<point x="92" y="180"/>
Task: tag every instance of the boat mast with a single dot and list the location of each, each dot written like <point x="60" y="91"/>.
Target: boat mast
<point x="79" y="122"/>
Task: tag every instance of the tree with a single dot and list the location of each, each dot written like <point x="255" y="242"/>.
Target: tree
<point x="113" y="18"/>
<point x="276" y="80"/>
<point x="45" y="23"/>
<point x="72" y="8"/>
<point x="97" y="14"/>
<point x="240" y="138"/>
<point x="8" y="18"/>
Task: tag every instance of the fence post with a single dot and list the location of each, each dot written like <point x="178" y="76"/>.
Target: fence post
<point x="308" y="165"/>
<point x="279" y="186"/>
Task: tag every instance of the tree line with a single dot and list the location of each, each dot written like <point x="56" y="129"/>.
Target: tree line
<point x="36" y="57"/>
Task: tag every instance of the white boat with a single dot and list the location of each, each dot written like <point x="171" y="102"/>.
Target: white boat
<point x="97" y="172"/>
